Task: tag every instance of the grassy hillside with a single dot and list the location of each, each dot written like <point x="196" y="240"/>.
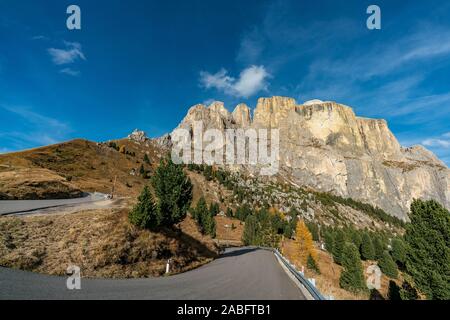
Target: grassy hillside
<point x="102" y="243"/>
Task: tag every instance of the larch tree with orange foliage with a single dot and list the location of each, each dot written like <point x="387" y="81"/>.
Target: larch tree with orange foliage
<point x="304" y="244"/>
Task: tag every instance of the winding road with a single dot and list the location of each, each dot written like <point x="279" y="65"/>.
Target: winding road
<point x="240" y="273"/>
<point x="23" y="207"/>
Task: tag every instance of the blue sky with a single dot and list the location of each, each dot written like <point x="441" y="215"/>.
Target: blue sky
<point x="142" y="64"/>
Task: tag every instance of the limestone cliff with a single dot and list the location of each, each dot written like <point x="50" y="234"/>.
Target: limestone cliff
<point x="324" y="145"/>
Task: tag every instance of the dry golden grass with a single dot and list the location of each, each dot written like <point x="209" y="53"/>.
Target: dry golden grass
<point x="35" y="183"/>
<point x="225" y="230"/>
<point x="328" y="280"/>
<point x="102" y="243"/>
<point x="87" y="165"/>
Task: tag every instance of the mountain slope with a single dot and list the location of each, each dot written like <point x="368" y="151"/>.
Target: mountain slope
<point x="325" y="146"/>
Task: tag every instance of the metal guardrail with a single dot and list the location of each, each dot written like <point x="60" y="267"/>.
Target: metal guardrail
<point x="305" y="282"/>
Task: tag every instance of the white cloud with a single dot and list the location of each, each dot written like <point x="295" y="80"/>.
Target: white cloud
<point x="40" y="37"/>
<point x="70" y="72"/>
<point x="250" y="81"/>
<point x="70" y="54"/>
<point x="38" y="129"/>
<point x="436" y="142"/>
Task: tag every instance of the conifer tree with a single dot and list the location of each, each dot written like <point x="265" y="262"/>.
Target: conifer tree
<point x="338" y="246"/>
<point x="399" y="252"/>
<point x="428" y="243"/>
<point x="329" y="240"/>
<point x="173" y="190"/>
<point x="367" y="249"/>
<point x="146" y="159"/>
<point x="352" y="277"/>
<point x="250" y="234"/>
<point x="304" y="245"/>
<point x="378" y="247"/>
<point x="312" y="265"/>
<point x="144" y="213"/>
<point x="387" y="265"/>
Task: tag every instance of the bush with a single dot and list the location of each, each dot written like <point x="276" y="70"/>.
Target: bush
<point x="144" y="213"/>
<point x="174" y="191"/>
<point x="352" y="277"/>
<point x="367" y="249"/>
<point x="388" y="266"/>
<point x="428" y="254"/>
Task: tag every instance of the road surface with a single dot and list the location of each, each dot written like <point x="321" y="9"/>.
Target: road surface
<point x="240" y="273"/>
<point x="32" y="206"/>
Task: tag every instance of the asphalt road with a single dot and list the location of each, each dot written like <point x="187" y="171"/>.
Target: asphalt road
<point x="242" y="273"/>
<point x="27" y="206"/>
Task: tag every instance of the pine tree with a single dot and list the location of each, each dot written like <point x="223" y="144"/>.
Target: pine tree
<point x="352" y="277"/>
<point x="142" y="170"/>
<point x="214" y="209"/>
<point x="356" y="238"/>
<point x="388" y="266"/>
<point x="146" y="159"/>
<point x="314" y="229"/>
<point x="144" y="213"/>
<point x="329" y="241"/>
<point x="174" y="191"/>
<point x="428" y="254"/>
<point x="312" y="265"/>
<point x="229" y="212"/>
<point x="407" y="292"/>
<point x="399" y="252"/>
<point x="378" y="247"/>
<point x="338" y="246"/>
<point x="204" y="218"/>
<point x="250" y="234"/>
<point x="367" y="249"/>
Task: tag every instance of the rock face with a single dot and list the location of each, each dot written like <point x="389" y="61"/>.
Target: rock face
<point x="324" y="145"/>
<point x="138" y="136"/>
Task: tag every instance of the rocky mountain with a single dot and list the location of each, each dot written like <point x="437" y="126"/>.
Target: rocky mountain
<point x="325" y="146"/>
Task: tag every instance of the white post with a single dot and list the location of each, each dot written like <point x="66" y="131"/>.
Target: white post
<point x="168" y="266"/>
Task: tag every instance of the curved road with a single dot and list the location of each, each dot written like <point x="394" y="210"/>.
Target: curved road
<point x="241" y="273"/>
<point x="8" y="207"/>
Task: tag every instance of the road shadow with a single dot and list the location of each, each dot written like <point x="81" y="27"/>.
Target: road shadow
<point x="237" y="252"/>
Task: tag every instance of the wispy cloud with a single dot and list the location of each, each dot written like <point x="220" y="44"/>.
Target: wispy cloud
<point x="38" y="129"/>
<point x="71" y="53"/>
<point x="251" y="80"/>
<point x="70" y="72"/>
<point x="39" y="37"/>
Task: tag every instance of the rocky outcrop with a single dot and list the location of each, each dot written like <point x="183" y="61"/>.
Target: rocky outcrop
<point x="138" y="136"/>
<point x="324" y="145"/>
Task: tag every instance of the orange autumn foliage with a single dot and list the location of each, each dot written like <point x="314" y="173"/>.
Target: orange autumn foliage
<point x="304" y="244"/>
